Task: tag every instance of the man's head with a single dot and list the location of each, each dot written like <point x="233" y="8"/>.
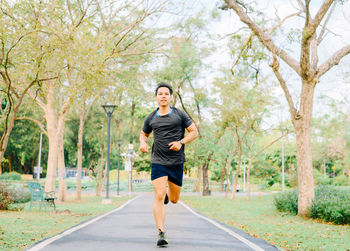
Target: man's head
<point x="160" y="85"/>
<point x="163" y="94"/>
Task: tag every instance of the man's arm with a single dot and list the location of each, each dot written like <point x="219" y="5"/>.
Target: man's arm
<point x="143" y="142"/>
<point x="192" y="135"/>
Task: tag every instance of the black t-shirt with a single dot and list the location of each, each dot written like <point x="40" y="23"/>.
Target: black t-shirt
<point x="167" y="128"/>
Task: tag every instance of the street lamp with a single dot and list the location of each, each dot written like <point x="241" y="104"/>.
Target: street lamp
<point x="109" y="110"/>
<point x="119" y="143"/>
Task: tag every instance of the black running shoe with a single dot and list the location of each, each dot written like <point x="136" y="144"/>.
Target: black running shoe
<point x="166" y="200"/>
<point x="162" y="241"/>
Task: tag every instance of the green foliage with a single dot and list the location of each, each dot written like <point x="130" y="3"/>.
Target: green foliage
<point x="287" y="202"/>
<point x="340" y="180"/>
<point x="23" y="146"/>
<point x="331" y="204"/>
<point x="10" y="176"/>
<point x="142" y="162"/>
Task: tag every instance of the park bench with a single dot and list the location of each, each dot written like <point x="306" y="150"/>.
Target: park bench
<point x="38" y="195"/>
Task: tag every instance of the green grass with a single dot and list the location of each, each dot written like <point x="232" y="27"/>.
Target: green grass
<point x="260" y="219"/>
<point x="21" y="229"/>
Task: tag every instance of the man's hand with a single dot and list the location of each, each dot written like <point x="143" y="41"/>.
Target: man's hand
<point x="175" y="145"/>
<point x="143" y="147"/>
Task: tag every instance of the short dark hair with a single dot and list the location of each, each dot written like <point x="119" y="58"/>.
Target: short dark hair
<point x="164" y="85"/>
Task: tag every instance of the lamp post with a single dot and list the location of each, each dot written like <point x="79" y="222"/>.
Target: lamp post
<point x="109" y="110"/>
<point x="38" y="170"/>
<point x="119" y="143"/>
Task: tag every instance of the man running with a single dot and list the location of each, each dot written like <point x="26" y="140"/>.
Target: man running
<point x="168" y="152"/>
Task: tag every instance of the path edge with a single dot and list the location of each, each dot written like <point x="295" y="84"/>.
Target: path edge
<point x="43" y="243"/>
<point x="228" y="229"/>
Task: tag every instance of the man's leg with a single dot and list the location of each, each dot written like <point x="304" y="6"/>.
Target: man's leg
<point x="174" y="192"/>
<point x="159" y="186"/>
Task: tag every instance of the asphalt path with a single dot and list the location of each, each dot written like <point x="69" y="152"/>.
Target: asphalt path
<point x="131" y="227"/>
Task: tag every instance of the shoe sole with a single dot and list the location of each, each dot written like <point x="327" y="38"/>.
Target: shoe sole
<point x="162" y="243"/>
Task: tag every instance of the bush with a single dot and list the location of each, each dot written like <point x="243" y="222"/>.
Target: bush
<point x="10" y="176"/>
<point x="341" y="180"/>
<point x="320" y="179"/>
<point x="331" y="204"/>
<point x="5" y="198"/>
<point x="287" y="202"/>
<point x="19" y="194"/>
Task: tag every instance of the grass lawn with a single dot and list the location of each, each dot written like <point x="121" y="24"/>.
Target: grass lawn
<point x="21" y="229"/>
<point x="260" y="219"/>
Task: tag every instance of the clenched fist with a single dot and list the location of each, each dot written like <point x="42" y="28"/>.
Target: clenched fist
<point x="143" y="147"/>
<point x="175" y="145"/>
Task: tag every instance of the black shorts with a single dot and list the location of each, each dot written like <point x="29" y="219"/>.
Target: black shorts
<point x="174" y="173"/>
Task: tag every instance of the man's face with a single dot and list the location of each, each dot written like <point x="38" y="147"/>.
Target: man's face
<point x="163" y="97"/>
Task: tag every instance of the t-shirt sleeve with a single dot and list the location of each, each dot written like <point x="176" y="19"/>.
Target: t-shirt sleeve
<point x="147" y="125"/>
<point x="186" y="120"/>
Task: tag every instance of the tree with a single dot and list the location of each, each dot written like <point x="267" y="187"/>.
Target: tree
<point x="309" y="70"/>
<point x="23" y="56"/>
<point x="88" y="45"/>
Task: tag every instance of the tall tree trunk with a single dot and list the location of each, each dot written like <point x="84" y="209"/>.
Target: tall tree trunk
<point x="302" y="127"/>
<point x="82" y="118"/>
<point x="55" y="130"/>
<point x="228" y="167"/>
<point x="80" y="151"/>
<point x="104" y="178"/>
<point x="6" y="136"/>
<point x="250" y="162"/>
<point x="197" y="187"/>
<point x="51" y="124"/>
<point x="223" y="176"/>
<point x="238" y="169"/>
<point x="10" y="163"/>
<point x="62" y="186"/>
<point x="205" y="169"/>
<point x="99" y="173"/>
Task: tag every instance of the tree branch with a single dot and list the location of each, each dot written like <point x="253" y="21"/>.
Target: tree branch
<point x="270" y="30"/>
<point x="320" y="37"/>
<point x="275" y="67"/>
<point x="302" y="5"/>
<point x="183" y="106"/>
<point x="332" y="61"/>
<point x="264" y="37"/>
<point x="41" y="126"/>
<point x="315" y="22"/>
<point x="267" y="146"/>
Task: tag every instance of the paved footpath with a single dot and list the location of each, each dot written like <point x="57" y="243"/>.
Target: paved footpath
<point x="131" y="227"/>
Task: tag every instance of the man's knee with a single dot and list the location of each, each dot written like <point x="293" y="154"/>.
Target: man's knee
<point x="159" y="195"/>
<point x="174" y="201"/>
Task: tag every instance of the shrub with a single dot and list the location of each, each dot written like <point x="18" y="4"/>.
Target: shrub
<point x="19" y="194"/>
<point x="331" y="204"/>
<point x="5" y="198"/>
<point x="10" y="176"/>
<point x="341" y="180"/>
<point x="287" y="202"/>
